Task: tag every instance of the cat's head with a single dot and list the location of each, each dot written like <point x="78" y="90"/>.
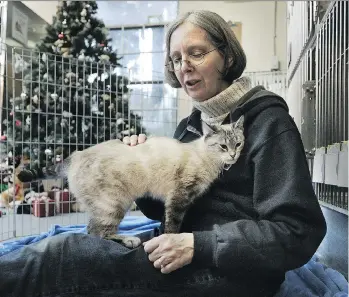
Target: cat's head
<point x="228" y="140"/>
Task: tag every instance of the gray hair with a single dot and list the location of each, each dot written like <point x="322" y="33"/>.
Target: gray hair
<point x="219" y="34"/>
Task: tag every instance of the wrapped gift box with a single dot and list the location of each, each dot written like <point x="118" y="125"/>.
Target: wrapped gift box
<point x="43" y="207"/>
<point x="62" y="201"/>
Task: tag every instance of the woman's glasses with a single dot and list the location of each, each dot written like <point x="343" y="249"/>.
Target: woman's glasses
<point x="193" y="60"/>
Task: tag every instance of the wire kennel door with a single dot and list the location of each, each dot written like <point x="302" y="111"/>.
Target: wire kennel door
<point x="332" y="44"/>
<point x="53" y="106"/>
<point x="318" y="78"/>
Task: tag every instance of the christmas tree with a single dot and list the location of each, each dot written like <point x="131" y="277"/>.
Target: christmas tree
<point x="71" y="96"/>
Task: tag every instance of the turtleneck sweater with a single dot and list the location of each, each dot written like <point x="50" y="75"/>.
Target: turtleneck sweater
<point x="215" y="109"/>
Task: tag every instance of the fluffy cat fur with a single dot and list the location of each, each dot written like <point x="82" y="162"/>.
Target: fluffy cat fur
<point x="107" y="178"/>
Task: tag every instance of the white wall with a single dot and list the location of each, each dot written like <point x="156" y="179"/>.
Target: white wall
<point x="297" y="35"/>
<point x="44" y="9"/>
<point x="257" y="18"/>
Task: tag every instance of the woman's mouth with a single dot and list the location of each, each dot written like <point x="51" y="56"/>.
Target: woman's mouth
<point x="192" y="83"/>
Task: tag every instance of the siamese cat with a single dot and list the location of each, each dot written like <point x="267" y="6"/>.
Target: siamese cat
<point x="108" y="177"/>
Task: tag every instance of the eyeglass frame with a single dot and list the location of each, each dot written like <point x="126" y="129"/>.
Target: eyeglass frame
<point x="181" y="61"/>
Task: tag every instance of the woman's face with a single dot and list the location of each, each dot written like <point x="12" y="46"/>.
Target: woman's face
<point x="203" y="81"/>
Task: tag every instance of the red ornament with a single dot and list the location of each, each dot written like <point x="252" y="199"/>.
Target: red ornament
<point x="18" y="123"/>
<point x="3" y="137"/>
<point x="101" y="44"/>
<point x="61" y="35"/>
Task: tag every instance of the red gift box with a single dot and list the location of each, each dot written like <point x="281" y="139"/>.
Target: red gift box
<point x="62" y="199"/>
<point x="43" y="207"/>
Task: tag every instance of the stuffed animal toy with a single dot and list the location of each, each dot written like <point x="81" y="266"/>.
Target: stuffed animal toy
<point x="15" y="190"/>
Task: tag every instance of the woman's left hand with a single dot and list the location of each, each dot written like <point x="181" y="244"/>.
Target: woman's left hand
<point x="169" y="252"/>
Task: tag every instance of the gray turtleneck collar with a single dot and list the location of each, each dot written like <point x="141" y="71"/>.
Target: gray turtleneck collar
<point x="215" y="109"/>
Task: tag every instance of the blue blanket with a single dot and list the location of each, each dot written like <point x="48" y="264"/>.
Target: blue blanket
<point x="130" y="225"/>
<point x="311" y="280"/>
<point x="314" y="280"/>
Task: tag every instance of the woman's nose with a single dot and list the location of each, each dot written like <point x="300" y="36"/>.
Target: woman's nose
<point x="186" y="66"/>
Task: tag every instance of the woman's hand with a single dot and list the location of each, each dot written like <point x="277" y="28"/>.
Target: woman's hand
<point x="134" y="139"/>
<point x="169" y="252"/>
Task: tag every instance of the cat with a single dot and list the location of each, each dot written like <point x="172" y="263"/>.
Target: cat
<point x="108" y="177"/>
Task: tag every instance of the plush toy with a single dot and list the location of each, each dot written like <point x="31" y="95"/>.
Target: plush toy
<point x="13" y="193"/>
<point x="15" y="190"/>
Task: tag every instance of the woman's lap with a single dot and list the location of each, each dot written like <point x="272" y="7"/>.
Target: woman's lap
<point x="82" y="265"/>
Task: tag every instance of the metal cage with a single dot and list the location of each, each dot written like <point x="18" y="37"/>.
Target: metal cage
<point x="54" y="105"/>
<point x="319" y="76"/>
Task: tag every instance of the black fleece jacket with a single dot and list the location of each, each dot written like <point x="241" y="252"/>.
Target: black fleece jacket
<point x="261" y="218"/>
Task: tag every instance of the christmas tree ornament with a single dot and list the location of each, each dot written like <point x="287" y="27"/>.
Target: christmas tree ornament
<point x="88" y="25"/>
<point x="58" y="158"/>
<point x="81" y="57"/>
<point x="3" y="137"/>
<point x="44" y="57"/>
<point x="104" y="58"/>
<point x="105" y="97"/>
<point x="83" y="13"/>
<point x="74" y="32"/>
<point x="54" y="96"/>
<point x="70" y="75"/>
<point x="35" y="99"/>
<point x="65" y="51"/>
<point x="48" y="152"/>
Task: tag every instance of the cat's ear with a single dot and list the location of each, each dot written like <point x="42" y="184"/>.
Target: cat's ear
<point x="239" y="124"/>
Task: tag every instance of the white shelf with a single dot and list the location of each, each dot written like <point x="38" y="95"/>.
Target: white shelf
<point x="330" y="206"/>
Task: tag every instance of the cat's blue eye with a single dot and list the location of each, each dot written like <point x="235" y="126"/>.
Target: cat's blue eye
<point x="238" y="144"/>
<point x="224" y="147"/>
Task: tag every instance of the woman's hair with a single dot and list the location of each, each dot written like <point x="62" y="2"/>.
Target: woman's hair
<point x="219" y="34"/>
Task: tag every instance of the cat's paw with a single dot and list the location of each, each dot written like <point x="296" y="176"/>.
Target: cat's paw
<point x="128" y="241"/>
<point x="131" y="242"/>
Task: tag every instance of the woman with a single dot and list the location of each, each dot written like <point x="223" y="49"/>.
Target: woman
<point x="259" y="220"/>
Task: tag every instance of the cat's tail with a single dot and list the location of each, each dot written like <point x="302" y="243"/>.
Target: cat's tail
<point x="55" y="171"/>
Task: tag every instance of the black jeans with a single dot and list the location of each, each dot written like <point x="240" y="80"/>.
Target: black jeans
<point x="83" y="265"/>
